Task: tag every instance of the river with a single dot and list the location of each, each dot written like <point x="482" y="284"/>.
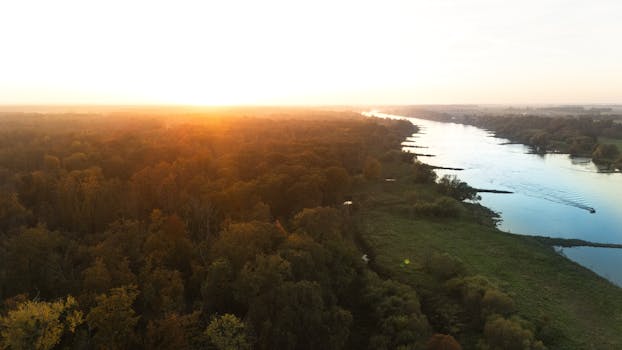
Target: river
<point x="553" y="194"/>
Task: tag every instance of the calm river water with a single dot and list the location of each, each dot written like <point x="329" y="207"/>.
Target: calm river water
<point x="553" y="193"/>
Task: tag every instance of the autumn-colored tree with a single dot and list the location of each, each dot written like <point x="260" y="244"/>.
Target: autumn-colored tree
<point x="167" y="333"/>
<point x="168" y="243"/>
<point x="162" y="290"/>
<point x="337" y="184"/>
<point x="34" y="259"/>
<point x="12" y="212"/>
<point x="240" y="242"/>
<point x="509" y="334"/>
<point x="443" y="342"/>
<point x="113" y="319"/>
<point x="217" y="286"/>
<point x="260" y="276"/>
<point x="397" y="313"/>
<point x="321" y="223"/>
<point x="497" y="302"/>
<point x="294" y="316"/>
<point x="39" y="325"/>
<point x="227" y="332"/>
<point x="372" y="169"/>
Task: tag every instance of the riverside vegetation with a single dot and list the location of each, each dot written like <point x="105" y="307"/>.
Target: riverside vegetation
<point x="216" y="230"/>
<point x="593" y="135"/>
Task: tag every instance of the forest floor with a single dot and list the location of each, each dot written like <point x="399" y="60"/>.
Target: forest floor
<point x="584" y="310"/>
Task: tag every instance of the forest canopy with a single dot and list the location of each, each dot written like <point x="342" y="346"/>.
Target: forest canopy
<point x="124" y="232"/>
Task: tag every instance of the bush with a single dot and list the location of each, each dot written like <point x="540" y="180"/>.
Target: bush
<point x="423" y="173"/>
<point x="451" y="186"/>
<point x="444" y="266"/>
<point x="443" y="207"/>
<point x="606" y="151"/>
<point x="497" y="302"/>
<point x="509" y="334"/>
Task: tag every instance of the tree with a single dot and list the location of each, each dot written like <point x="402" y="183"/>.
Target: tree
<point x="294" y="316"/>
<point x="217" y="286"/>
<point x="444" y="266"/>
<point x="508" y="334"/>
<point x="261" y="276"/>
<point x="606" y="151"/>
<point x="443" y="342"/>
<point x="451" y="186"/>
<point x="162" y="290"/>
<point x="423" y="173"/>
<point x="239" y="243"/>
<point x="321" y="223"/>
<point x="396" y="312"/>
<point x="12" y="212"/>
<point x="35" y="260"/>
<point x="227" y="332"/>
<point x="113" y="319"/>
<point x="168" y="244"/>
<point x="497" y="302"/>
<point x="39" y="325"/>
<point x="372" y="169"/>
<point x="336" y="185"/>
<point x="165" y="334"/>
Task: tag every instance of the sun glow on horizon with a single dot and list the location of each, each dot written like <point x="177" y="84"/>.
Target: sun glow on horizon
<point x="319" y="52"/>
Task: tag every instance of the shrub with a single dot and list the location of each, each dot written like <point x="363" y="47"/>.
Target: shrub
<point x="423" y="173"/>
<point x="444" y="266"/>
<point x="451" y="186"/>
<point x="497" y="302"/>
<point x="443" y="207"/>
<point x="509" y="334"/>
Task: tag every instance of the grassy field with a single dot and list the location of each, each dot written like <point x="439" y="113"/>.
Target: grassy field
<point x="585" y="310"/>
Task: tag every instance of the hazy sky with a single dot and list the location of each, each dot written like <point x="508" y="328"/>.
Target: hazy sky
<point x="310" y="52"/>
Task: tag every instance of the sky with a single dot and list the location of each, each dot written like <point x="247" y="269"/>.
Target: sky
<point x="310" y="52"/>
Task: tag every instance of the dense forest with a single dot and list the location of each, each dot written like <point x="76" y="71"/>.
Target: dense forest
<point x="223" y="231"/>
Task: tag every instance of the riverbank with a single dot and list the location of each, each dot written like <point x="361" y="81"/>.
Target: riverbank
<point x="570" y="306"/>
<point x="572" y="242"/>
